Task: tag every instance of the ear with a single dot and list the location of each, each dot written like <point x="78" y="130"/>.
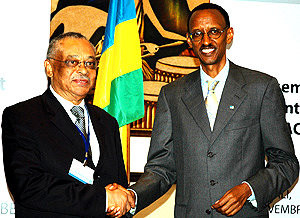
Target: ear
<point x="188" y="39"/>
<point x="230" y="34"/>
<point x="48" y="68"/>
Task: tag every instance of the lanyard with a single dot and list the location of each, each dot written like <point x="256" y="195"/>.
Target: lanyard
<point x="86" y="140"/>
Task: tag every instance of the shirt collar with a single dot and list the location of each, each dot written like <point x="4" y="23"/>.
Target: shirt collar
<point x="222" y="76"/>
<point x="67" y="105"/>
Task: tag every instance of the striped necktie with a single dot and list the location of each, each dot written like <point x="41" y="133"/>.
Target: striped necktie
<point x="211" y="102"/>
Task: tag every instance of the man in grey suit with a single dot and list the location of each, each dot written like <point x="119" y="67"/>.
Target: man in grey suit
<point x="213" y="129"/>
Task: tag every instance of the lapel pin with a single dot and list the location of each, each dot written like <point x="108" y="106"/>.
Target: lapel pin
<point x="231" y="107"/>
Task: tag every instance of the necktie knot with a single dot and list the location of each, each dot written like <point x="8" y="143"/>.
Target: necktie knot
<point x="78" y="112"/>
<point x="212" y="85"/>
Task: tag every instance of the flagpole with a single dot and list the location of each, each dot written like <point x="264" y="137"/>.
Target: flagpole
<point x="125" y="141"/>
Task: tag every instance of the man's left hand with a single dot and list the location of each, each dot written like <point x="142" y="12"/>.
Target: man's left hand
<point x="233" y="200"/>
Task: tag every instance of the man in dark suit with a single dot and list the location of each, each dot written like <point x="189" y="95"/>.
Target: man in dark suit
<point x="58" y="163"/>
<point x="213" y="129"/>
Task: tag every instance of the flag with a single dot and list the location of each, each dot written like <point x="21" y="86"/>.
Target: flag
<point x="119" y="86"/>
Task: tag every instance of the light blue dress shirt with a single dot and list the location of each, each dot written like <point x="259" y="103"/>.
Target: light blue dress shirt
<point x="221" y="77"/>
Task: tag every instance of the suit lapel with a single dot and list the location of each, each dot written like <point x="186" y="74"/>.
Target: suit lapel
<point x="62" y="121"/>
<point x="232" y="97"/>
<point x="193" y="99"/>
<point x="98" y="128"/>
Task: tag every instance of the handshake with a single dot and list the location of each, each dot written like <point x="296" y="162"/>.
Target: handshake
<point x="119" y="200"/>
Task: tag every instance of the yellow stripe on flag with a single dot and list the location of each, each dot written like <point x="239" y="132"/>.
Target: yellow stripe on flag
<point x="119" y="59"/>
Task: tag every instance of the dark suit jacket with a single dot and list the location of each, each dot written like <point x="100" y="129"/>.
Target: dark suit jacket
<point x="250" y="124"/>
<point x="39" y="144"/>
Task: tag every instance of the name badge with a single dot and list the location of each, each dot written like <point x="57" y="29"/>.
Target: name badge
<point x="82" y="173"/>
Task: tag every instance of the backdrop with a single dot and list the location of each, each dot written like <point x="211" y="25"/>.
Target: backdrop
<point x="266" y="39"/>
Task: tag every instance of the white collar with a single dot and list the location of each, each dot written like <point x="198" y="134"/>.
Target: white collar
<point x="222" y="76"/>
<point x="67" y="105"/>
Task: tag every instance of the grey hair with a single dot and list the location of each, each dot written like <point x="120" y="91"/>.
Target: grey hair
<point x="54" y="43"/>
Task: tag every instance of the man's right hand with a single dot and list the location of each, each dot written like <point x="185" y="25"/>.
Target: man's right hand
<point x="233" y="200"/>
<point x="120" y="200"/>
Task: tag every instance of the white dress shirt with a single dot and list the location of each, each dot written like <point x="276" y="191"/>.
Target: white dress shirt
<point x="67" y="105"/>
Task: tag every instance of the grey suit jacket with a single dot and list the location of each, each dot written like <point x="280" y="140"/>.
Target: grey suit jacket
<point x="250" y="125"/>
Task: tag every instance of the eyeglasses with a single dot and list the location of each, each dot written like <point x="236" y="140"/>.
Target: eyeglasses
<point x="73" y="63"/>
<point x="213" y="34"/>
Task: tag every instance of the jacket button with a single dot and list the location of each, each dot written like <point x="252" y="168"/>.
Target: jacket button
<point x="208" y="211"/>
<point x="210" y="154"/>
<point x="213" y="182"/>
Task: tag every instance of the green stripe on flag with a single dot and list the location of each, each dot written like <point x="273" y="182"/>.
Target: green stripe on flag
<point x="127" y="98"/>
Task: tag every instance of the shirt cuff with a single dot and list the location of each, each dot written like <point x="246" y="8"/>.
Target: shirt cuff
<point x="133" y="210"/>
<point x="252" y="198"/>
<point x="106" y="203"/>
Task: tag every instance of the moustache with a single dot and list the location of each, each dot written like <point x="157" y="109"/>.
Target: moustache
<point x="210" y="46"/>
<point x="81" y="77"/>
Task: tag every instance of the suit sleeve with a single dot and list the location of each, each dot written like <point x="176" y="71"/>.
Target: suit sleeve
<point x="160" y="173"/>
<point x="282" y="167"/>
<point x="32" y="187"/>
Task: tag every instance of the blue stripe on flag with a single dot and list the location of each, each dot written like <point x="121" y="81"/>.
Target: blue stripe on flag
<point x="118" y="12"/>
